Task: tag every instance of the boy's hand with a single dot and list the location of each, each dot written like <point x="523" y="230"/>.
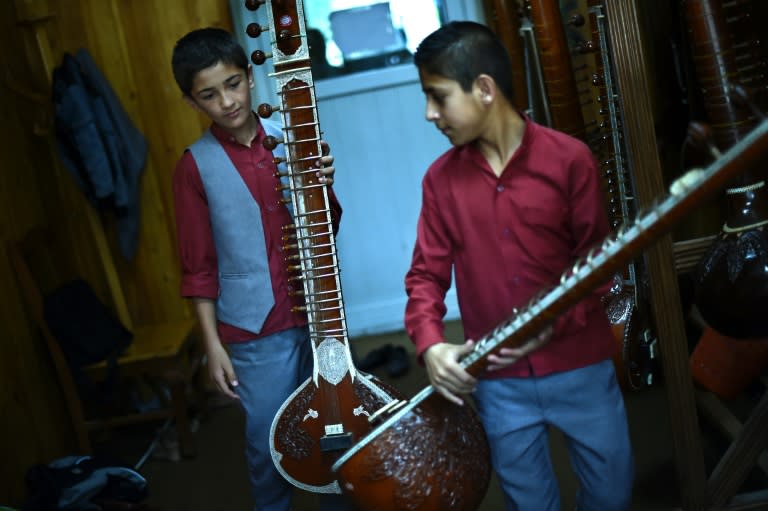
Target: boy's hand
<point x="221" y="371"/>
<point x="507" y="356"/>
<point x="445" y="373"/>
<point x="325" y="165"/>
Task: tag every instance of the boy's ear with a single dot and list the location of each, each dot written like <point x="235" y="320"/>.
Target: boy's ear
<point x="249" y="74"/>
<point x="486" y="88"/>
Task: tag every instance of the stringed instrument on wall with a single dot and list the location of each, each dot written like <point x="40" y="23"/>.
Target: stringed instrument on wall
<point x="627" y="304"/>
<point x="580" y="98"/>
<point x="417" y="446"/>
<point x="556" y="67"/>
<point x="329" y="411"/>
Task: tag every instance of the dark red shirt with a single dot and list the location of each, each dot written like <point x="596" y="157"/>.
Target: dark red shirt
<point x="199" y="269"/>
<point x="507" y="238"/>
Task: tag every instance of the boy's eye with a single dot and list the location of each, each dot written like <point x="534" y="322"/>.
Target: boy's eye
<point x="206" y="97"/>
<point x="235" y="85"/>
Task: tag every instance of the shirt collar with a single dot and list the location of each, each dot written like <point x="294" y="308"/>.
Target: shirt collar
<point x="471" y="152"/>
<point x="225" y="137"/>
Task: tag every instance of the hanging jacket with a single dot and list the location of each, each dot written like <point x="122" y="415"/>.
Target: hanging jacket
<point x="98" y="144"/>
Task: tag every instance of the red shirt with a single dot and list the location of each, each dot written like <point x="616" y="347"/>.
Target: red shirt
<point x="507" y="238"/>
<point x="199" y="270"/>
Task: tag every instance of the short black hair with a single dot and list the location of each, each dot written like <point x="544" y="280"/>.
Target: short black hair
<point x="463" y="50"/>
<point x="201" y="49"/>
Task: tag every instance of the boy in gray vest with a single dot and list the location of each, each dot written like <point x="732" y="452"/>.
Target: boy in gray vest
<point x="230" y="218"/>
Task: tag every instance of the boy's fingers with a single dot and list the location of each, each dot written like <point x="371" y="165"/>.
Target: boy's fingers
<point x="449" y="396"/>
<point x="225" y="384"/>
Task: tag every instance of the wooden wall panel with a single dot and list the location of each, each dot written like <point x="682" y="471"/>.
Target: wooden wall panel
<point x="131" y="42"/>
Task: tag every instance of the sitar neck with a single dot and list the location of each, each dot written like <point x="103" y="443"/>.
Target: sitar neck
<point x="311" y="236"/>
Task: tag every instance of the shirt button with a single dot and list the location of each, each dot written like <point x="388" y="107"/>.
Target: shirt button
<point x="506" y="232"/>
<point x="500" y="188"/>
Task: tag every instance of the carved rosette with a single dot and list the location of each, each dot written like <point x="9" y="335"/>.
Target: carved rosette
<point x="293" y="439"/>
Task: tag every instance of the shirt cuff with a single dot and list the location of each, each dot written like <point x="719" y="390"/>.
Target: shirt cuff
<point x="192" y="287"/>
<point x="426" y="336"/>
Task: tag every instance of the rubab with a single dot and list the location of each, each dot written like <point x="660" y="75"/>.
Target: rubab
<point x="330" y="410"/>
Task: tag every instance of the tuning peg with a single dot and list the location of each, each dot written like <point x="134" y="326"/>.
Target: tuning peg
<point x="258" y="57"/>
<point x="269" y="143"/>
<point x="255" y="30"/>
<point x="265" y="110"/>
<point x="576" y="20"/>
<point x="252" y="5"/>
<point x="585" y="47"/>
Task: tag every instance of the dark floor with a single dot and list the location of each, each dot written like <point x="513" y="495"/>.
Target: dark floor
<point x="216" y="479"/>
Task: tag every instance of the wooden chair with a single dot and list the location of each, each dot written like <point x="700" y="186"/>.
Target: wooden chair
<point x="163" y="356"/>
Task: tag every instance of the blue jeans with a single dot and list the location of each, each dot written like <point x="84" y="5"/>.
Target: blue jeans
<point x="268" y="371"/>
<point x="587" y="406"/>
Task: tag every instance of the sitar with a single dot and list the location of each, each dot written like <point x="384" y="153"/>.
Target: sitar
<point x="566" y="104"/>
<point x="732" y="278"/>
<point x="420" y="446"/>
<point x="627" y="304"/>
<point x="330" y="410"/>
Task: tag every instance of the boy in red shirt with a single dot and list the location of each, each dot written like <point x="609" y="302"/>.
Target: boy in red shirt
<point x="506" y="210"/>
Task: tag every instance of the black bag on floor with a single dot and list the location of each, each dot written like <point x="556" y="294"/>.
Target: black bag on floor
<point x="83" y="483"/>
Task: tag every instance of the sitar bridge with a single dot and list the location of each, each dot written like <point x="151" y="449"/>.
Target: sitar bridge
<point x="336" y="442"/>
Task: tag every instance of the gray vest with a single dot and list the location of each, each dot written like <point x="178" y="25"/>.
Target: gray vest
<point x="246" y="296"/>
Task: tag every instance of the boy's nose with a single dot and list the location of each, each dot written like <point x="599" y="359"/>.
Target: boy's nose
<point x="431" y="114"/>
<point x="226" y="100"/>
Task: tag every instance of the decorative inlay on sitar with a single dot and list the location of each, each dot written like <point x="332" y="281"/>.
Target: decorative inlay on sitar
<point x="376" y="473"/>
<point x="329" y="411"/>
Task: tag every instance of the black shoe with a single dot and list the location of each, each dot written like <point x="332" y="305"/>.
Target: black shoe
<point x="376" y="358"/>
<point x="399" y="362"/>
